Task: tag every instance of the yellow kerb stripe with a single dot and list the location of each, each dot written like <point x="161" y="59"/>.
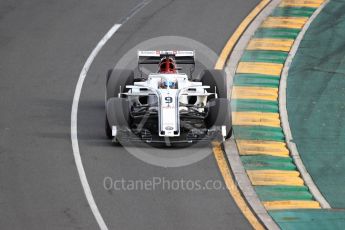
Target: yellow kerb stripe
<point x="256" y="119"/>
<point x="284" y="22"/>
<point x="275" y="173"/>
<point x="237" y="34"/>
<point x="270" y="44"/>
<point x="217" y="150"/>
<point x="291" y="204"/>
<point x="258" y="147"/>
<point x="301" y="3"/>
<point x="259" y="68"/>
<point x="275" y="177"/>
<point x="232" y="187"/>
<point x="260" y="93"/>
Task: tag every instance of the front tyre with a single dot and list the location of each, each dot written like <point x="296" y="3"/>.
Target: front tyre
<point x="117" y="80"/>
<point x="219" y="114"/>
<point x="108" y="131"/>
<point x="216" y="79"/>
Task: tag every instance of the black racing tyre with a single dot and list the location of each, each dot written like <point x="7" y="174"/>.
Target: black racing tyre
<point x="215" y="79"/>
<point x="219" y="114"/>
<point x="117" y="79"/>
<point x="108" y="131"/>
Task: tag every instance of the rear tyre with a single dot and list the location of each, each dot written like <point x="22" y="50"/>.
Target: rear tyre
<point x="216" y="79"/>
<point x="219" y="114"/>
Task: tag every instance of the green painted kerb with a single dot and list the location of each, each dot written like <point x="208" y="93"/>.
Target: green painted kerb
<point x="309" y="219"/>
<point x="260" y="160"/>
<point x="293" y="12"/>
<point x="275" y="193"/>
<point x="264" y="56"/>
<point x="316" y="102"/>
<point x="267" y="163"/>
<point x="251" y="105"/>
<point x="279" y="33"/>
<point x="258" y="133"/>
<point x="256" y="80"/>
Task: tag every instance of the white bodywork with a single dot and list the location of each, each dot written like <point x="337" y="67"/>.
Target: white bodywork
<point x="168" y="100"/>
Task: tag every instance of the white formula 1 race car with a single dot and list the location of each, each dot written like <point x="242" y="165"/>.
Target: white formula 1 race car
<point x="167" y="106"/>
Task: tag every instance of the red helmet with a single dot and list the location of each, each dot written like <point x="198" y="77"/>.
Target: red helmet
<point x="167" y="65"/>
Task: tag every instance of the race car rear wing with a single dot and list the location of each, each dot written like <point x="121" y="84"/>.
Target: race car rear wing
<point x="154" y="57"/>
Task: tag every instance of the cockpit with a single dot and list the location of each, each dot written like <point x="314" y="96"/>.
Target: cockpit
<point x="167" y="83"/>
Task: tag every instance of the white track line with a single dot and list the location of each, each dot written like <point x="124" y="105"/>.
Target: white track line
<point x="74" y="135"/>
<point x="308" y="180"/>
<point x="74" y="113"/>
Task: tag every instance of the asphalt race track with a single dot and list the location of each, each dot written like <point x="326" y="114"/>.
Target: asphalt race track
<point x="43" y="46"/>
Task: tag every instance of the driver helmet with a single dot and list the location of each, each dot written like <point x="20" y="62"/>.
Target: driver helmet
<point x="166" y="83"/>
